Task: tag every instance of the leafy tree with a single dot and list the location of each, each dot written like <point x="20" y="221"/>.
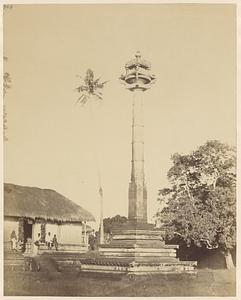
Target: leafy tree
<point x="200" y="204"/>
<point x="110" y="222"/>
<point x="6" y="82"/>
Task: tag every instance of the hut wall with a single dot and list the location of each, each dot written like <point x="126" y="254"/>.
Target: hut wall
<point x="36" y="230"/>
<point x="9" y="226"/>
<point x="53" y="229"/>
<point x="70" y="234"/>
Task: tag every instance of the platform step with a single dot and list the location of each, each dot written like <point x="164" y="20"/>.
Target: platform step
<point x="14" y="263"/>
<point x="140" y="269"/>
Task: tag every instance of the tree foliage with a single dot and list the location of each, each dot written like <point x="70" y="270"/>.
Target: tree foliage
<point x="6" y="82"/>
<point x="110" y="222"/>
<point x="199" y="206"/>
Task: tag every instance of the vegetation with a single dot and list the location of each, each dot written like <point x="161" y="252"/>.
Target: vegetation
<point x="110" y="222"/>
<point x="6" y="86"/>
<point x="200" y="204"/>
<point x="90" y="87"/>
<point x="6" y="82"/>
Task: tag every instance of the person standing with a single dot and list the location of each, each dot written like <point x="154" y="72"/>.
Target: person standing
<point x="55" y="242"/>
<point x="36" y="245"/>
<point x="48" y="241"/>
<point x="13" y="239"/>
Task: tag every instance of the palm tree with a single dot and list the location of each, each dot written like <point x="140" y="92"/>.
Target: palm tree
<point x="89" y="90"/>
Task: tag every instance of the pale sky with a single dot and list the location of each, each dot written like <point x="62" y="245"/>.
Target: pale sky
<point x="50" y="144"/>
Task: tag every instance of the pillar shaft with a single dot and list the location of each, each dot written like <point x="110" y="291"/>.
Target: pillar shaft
<point x="137" y="189"/>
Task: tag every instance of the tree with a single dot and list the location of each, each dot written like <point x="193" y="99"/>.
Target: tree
<point x="110" y="222"/>
<point x="89" y="89"/>
<point x="200" y="204"/>
<point x="6" y="83"/>
<point x="6" y="80"/>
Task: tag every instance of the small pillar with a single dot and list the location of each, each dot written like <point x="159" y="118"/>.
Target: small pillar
<point x="85" y="235"/>
<point x="43" y="231"/>
<point x="101" y="228"/>
<point x="20" y="229"/>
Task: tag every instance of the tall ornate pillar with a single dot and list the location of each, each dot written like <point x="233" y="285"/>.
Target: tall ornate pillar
<point x="137" y="79"/>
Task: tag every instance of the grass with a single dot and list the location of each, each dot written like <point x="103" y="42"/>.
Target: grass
<point x="206" y="283"/>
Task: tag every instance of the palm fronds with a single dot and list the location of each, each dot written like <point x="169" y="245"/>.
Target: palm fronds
<point x="89" y="88"/>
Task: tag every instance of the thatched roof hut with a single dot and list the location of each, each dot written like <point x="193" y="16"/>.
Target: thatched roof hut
<point x="36" y="203"/>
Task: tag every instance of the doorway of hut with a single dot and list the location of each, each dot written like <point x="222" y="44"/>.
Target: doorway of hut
<point x="27" y="230"/>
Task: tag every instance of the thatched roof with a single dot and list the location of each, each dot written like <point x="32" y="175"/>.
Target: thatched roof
<point x="33" y="202"/>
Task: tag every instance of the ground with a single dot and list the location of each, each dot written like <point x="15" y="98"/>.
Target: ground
<point x="206" y="283"/>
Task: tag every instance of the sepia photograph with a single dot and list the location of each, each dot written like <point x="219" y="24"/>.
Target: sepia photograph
<point x="119" y="149"/>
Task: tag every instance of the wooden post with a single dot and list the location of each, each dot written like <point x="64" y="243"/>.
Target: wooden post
<point x="85" y="234"/>
<point x="101" y="229"/>
<point x="43" y="231"/>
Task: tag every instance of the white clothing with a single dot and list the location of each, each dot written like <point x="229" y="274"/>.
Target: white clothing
<point x="35" y="249"/>
<point x="48" y="238"/>
<point x="14" y="243"/>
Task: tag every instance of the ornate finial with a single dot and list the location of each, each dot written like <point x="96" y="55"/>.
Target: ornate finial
<point x="138" y="75"/>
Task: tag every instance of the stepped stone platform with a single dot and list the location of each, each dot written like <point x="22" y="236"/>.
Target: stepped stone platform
<point x="14" y="261"/>
<point x="137" y="249"/>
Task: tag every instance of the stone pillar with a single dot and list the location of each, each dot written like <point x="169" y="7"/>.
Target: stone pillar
<point x="137" y="79"/>
<point x="137" y="190"/>
<point x="136" y="246"/>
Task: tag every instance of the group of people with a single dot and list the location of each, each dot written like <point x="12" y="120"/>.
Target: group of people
<point x="51" y="242"/>
<point x="18" y="244"/>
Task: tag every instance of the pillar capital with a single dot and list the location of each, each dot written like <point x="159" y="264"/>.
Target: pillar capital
<point x="138" y="75"/>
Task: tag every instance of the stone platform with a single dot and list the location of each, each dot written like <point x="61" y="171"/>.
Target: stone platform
<point x="68" y="248"/>
<point x="14" y="261"/>
<point x="137" y="249"/>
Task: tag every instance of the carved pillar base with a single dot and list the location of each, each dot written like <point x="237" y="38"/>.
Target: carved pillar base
<point x="137" y="211"/>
